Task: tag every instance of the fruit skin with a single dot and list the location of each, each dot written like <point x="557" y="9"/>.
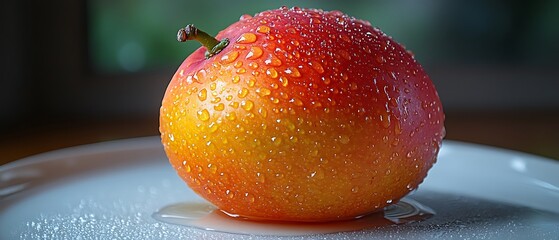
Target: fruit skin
<point x="306" y="115"/>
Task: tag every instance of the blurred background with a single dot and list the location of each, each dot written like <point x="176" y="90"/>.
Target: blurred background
<point x="77" y="72"/>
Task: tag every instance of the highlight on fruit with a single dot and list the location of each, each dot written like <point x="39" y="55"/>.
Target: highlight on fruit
<point x="300" y="115"/>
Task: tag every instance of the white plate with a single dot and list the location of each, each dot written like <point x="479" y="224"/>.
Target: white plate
<point x="110" y="190"/>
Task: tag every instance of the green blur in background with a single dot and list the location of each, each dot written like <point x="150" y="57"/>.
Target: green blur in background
<point x="131" y="36"/>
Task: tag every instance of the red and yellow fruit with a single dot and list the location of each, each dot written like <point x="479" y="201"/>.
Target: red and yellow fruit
<point x="305" y="115"/>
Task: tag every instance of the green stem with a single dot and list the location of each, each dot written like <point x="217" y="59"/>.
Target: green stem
<point x="212" y="45"/>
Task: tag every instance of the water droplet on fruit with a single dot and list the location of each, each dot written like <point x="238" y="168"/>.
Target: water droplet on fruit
<point x="316" y="104"/>
<point x="234" y="104"/>
<point x="245" y="17"/>
<point x="380" y="59"/>
<point x="344" y="54"/>
<point x="398" y="128"/>
<point x="283" y="80"/>
<point x="263" y="29"/>
<point x="355" y="189"/>
<point x="314" y="152"/>
<point x="236" y="79"/>
<point x="274" y="85"/>
<point x="254" y="53"/>
<point x="263" y="92"/>
<point x="263" y="112"/>
<point x="253" y="65"/>
<point x="213" y="127"/>
<point x="231" y="116"/>
<point x="203" y="115"/>
<point x="213" y="86"/>
<point x="260" y="177"/>
<point x="409" y="154"/>
<point x="229" y="194"/>
<point x="247" y="38"/>
<point x="203" y="94"/>
<point x="296" y="101"/>
<point x="326" y="80"/>
<point x="293" y="72"/>
<point x="249" y="197"/>
<point x="396" y="141"/>
<point x="273" y="61"/>
<point x="295" y="43"/>
<point x="241" y="71"/>
<point x="293" y="139"/>
<point x="230" y="57"/>
<point x="216" y="99"/>
<point x="385" y="120"/>
<point x="247" y="105"/>
<point x="344" y="139"/>
<point x="276" y="140"/>
<point x="353" y="86"/>
<point x="345" y="38"/>
<point x="251" y="82"/>
<point x="315" y="21"/>
<point x="389" y="201"/>
<point x="243" y="92"/>
<point x="213" y="168"/>
<point x="316" y="66"/>
<point x="219" y="107"/>
<point x="289" y="125"/>
<point x="271" y="72"/>
<point x="238" y="64"/>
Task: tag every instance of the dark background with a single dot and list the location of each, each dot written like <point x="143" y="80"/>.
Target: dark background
<point x="76" y="72"/>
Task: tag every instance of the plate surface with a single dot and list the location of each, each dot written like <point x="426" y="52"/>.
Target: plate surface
<point x="111" y="189"/>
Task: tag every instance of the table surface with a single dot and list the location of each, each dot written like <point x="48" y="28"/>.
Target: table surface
<point x="531" y="132"/>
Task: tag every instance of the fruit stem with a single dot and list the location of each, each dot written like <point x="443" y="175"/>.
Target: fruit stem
<point x="212" y="45"/>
